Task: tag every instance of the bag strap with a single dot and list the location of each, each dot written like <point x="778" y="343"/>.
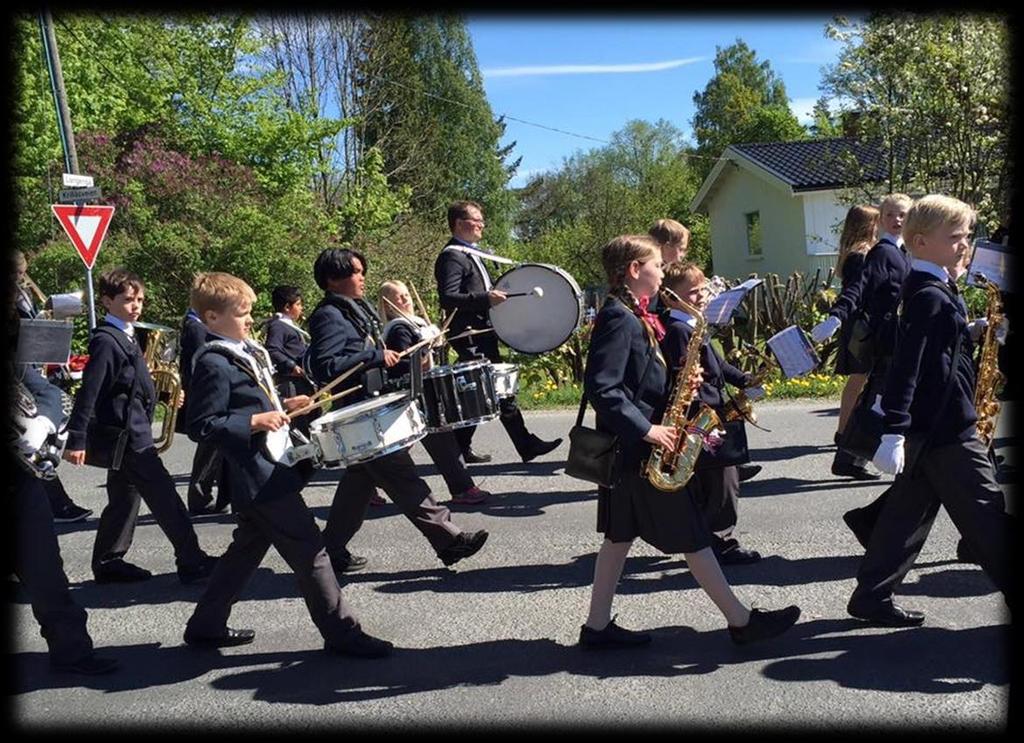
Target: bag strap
<point x="636" y="393"/>
<point x="132" y="351"/>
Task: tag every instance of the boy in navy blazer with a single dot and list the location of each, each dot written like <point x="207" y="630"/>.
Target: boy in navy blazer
<point x="716" y="489"/>
<point x="234" y="407"/>
<point x="117" y="393"/>
<point x="286" y="343"/>
<point x="929" y="440"/>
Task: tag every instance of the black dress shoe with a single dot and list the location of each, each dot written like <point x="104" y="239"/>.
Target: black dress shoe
<point x="197" y="573"/>
<point x="738" y="556"/>
<point x="748" y="471"/>
<point x="764" y="624"/>
<point x="228" y="638"/>
<point x="69" y="513"/>
<point x="465" y="545"/>
<point x="885" y="614"/>
<point x="612" y="636"/>
<point x="119" y="571"/>
<point x="348" y="564"/>
<point x="362" y="645"/>
<point x="860" y="526"/>
<point x="539" y="447"/>
<point x="848" y="469"/>
<point x="471" y="457"/>
<point x="91" y="665"/>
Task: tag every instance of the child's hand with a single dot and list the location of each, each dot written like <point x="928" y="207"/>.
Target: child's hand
<point x="294" y="403"/>
<point x="663" y="436"/>
<point x="75" y="456"/>
<point x="391" y="358"/>
<point x="269" y="421"/>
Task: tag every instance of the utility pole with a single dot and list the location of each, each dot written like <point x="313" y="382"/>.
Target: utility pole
<point x="67" y="134"/>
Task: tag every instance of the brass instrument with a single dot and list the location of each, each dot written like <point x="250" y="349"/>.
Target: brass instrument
<point x="742" y="407"/>
<point x="990" y="379"/>
<point x="159" y="346"/>
<point x="670" y="470"/>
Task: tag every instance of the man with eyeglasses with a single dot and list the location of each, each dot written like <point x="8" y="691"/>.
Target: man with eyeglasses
<point x="464" y="287"/>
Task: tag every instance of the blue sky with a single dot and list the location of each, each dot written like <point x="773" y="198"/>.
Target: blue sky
<point x="590" y="75"/>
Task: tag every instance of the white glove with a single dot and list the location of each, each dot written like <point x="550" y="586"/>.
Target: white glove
<point x="36" y="431"/>
<point x="877" y="405"/>
<point x="889" y="455"/>
<point x="754" y="393"/>
<point x="825" y="329"/>
<point x="978" y="326"/>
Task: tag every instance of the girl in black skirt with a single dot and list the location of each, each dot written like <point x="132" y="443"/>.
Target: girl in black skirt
<point x="627" y="384"/>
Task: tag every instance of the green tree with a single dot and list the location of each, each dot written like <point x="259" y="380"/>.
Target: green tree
<point x="932" y="92"/>
<point x="743" y="102"/>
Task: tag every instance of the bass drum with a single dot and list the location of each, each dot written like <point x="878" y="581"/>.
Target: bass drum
<point x="537" y="323"/>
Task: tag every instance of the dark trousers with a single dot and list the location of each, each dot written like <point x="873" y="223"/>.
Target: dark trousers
<point x="285" y="523"/>
<point x="511" y="417"/>
<point x="443" y="448"/>
<point x="960" y="477"/>
<point x="717" y="493"/>
<point x="143" y="475"/>
<point x="205" y="465"/>
<point x="396" y="475"/>
<point x="56" y="494"/>
<point x="38" y="565"/>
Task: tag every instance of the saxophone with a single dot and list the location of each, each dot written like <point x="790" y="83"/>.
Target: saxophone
<point x="990" y="379"/>
<point x="670" y="469"/>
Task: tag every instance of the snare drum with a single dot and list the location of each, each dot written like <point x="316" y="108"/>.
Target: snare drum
<point x="537" y="323"/>
<point x="367" y="430"/>
<point x="506" y="379"/>
<point x="459" y="396"/>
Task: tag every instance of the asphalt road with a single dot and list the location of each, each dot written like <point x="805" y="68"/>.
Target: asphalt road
<point x="492" y="641"/>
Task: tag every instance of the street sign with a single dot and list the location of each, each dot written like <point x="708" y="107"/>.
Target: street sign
<point x="80" y="195"/>
<point x="86" y="226"/>
<point x="73" y="180"/>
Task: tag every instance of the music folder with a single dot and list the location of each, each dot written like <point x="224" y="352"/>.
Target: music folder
<point x="43" y="341"/>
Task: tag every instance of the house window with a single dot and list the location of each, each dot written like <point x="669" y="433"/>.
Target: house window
<point x="753" y="233"/>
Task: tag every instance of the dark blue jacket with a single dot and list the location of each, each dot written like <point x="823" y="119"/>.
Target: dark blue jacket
<point x="717" y="371"/>
<point x="401" y="336"/>
<point x="343" y="334"/>
<point x="225" y="396"/>
<point x="115" y="360"/>
<point x="285" y="345"/>
<point x="461" y="289"/>
<point x="618" y="355"/>
<point x="876" y="294"/>
<point x="193" y="335"/>
<point x="931" y="318"/>
<point x="46" y="395"/>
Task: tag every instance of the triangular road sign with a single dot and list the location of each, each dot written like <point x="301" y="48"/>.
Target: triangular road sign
<point x="86" y="226"/>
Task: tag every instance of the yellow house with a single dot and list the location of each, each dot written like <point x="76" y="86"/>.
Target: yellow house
<point x="775" y="207"/>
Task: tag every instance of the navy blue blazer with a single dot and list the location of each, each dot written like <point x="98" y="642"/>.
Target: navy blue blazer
<point x="193" y="335"/>
<point x="930" y="320"/>
<point x="461" y="289"/>
<point x="717" y="371"/>
<point x="285" y="345"/>
<point x="225" y="396"/>
<point x="876" y="293"/>
<point x="401" y="336"/>
<point x="115" y="361"/>
<point x="46" y="395"/>
<point x="336" y="344"/>
<point x="618" y="356"/>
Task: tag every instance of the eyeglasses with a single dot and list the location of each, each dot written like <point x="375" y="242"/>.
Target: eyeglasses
<point x="480" y="222"/>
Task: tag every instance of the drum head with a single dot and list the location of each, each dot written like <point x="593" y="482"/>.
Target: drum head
<point x="354" y="411"/>
<point x="536" y="324"/>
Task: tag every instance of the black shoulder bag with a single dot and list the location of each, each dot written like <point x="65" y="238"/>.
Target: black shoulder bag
<point x="863" y="433"/>
<point x="593" y="453"/>
<point x="105" y="446"/>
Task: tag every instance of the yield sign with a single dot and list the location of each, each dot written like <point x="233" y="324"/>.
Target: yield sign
<point x="86" y="226"/>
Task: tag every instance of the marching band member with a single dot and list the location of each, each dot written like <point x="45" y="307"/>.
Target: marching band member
<point x="234" y="405"/>
<point x="345" y="331"/>
<point x="464" y="287"/>
<point x="286" y="343"/>
<point x="627" y="383"/>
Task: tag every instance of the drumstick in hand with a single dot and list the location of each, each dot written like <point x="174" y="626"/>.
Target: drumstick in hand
<point x="306" y="408"/>
<point x="535" y="292"/>
<point x="416" y="296"/>
<point x="471" y="332"/>
<point x="415" y="347"/>
<point x="338" y="380"/>
<point x="402" y="312"/>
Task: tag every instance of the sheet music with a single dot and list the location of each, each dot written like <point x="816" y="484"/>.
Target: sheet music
<point x="719" y="310"/>
<point x="794" y="352"/>
<point x="992" y="260"/>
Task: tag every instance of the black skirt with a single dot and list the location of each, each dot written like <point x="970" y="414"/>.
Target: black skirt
<point x="846" y="362"/>
<point x="669" y="522"/>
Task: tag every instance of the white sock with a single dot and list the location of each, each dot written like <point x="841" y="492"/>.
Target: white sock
<point x="611" y="558"/>
<point x="705" y="568"/>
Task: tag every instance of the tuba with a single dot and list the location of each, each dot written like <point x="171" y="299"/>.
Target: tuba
<point x="990" y="379"/>
<point x="669" y="470"/>
<point x="159" y="345"/>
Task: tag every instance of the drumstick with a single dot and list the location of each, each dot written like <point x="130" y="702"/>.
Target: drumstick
<point x="337" y="380"/>
<point x="416" y="296"/>
<point x="471" y="332"/>
<point x="415" y="347"/>
<point x="317" y="403"/>
<point x="536" y="291"/>
<point x="402" y="312"/>
<point x="447" y="322"/>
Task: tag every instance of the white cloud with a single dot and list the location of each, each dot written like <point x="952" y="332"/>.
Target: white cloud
<point x="589" y="69"/>
<point x="802" y="108"/>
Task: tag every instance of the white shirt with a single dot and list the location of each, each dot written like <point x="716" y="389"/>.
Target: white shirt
<point x="897" y="241"/>
<point x="939" y="272"/>
<point x="686" y="317"/>
<point x="126" y="327"/>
